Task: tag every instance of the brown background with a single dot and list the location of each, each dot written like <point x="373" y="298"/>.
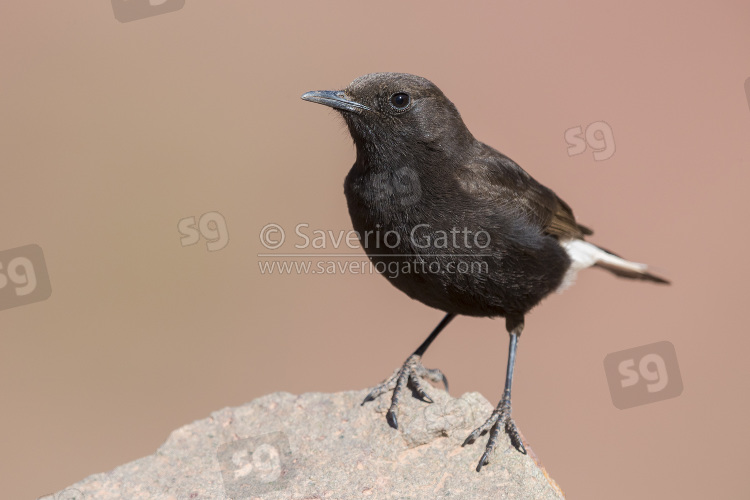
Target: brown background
<point x="111" y="133"/>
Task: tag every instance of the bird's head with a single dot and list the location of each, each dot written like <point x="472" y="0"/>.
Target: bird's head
<point x="394" y="113"/>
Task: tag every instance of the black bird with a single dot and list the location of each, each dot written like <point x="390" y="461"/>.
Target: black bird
<point x="454" y="223"/>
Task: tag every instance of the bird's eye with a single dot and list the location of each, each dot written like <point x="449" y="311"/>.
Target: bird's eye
<point x="400" y="100"/>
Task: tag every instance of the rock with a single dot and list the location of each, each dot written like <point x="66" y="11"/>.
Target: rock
<point x="326" y="446"/>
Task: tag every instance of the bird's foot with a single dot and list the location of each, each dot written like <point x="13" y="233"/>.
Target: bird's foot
<point x="498" y="421"/>
<point x="409" y="375"/>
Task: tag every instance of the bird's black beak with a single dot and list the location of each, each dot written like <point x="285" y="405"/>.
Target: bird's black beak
<point x="335" y="99"/>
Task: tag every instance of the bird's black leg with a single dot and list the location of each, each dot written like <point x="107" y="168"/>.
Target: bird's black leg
<point x="410" y="375"/>
<point x="500" y="418"/>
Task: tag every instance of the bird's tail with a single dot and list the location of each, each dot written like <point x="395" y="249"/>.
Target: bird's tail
<point x="584" y="254"/>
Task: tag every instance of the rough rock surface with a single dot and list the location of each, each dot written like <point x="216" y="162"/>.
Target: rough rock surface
<point x="326" y="446"/>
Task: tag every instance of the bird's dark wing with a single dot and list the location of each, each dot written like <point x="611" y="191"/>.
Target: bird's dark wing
<point x="499" y="180"/>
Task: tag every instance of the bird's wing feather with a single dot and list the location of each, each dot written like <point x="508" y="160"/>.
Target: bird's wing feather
<point x="500" y="180"/>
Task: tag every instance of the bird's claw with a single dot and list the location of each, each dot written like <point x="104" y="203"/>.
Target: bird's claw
<point x="409" y="375"/>
<point x="499" y="420"/>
